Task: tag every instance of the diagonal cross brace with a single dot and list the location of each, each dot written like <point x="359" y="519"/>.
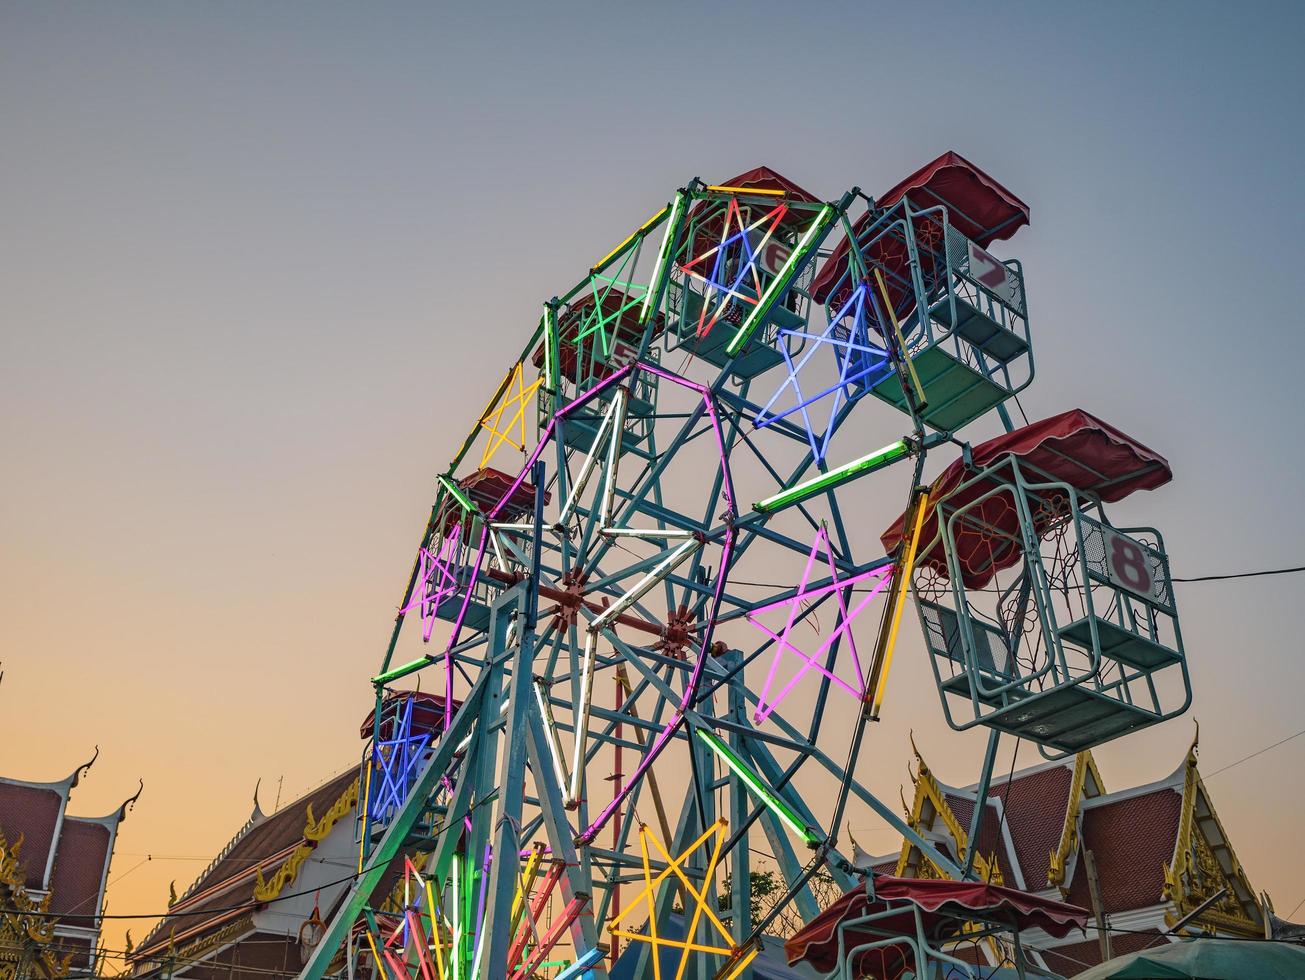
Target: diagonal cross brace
<point x="392" y="842"/>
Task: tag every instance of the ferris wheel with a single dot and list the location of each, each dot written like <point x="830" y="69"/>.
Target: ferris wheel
<point x="645" y="630"/>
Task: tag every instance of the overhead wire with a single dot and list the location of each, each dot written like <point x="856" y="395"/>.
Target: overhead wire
<point x="285" y="896"/>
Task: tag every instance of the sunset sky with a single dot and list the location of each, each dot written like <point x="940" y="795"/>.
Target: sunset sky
<point x="262" y="263"/>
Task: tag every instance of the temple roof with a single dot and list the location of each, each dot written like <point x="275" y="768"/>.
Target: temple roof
<point x="36" y="813"/>
<point x="1155" y="845"/>
<point x="55" y="863"/>
<point x="261" y="860"/>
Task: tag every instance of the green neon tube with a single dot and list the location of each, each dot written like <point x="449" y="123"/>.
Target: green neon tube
<point x="836" y="476"/>
<point x="550" y="348"/>
<point x="654" y="285"/>
<point x="463" y="500"/>
<point x="780" y="282"/>
<point x="754" y="783"/>
<point x="410" y="667"/>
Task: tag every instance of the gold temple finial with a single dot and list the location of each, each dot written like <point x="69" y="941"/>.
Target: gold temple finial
<point x="172" y="893"/>
<point x="901" y="791"/>
<point x="130" y="945"/>
<point x="855" y="845"/>
<point x="1194" y="751"/>
<point x="916" y="749"/>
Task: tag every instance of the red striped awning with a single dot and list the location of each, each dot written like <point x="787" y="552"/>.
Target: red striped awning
<point x="944" y="906"/>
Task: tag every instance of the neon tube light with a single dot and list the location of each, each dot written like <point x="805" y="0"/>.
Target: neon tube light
<point x="672" y="726"/>
<point x="581" y="733"/>
<point x="456" y="955"/>
<point x="554" y="934"/>
<point x="380" y="965"/>
<point x="550" y="730"/>
<point x="763" y="792"/>
<point x="524" y="884"/>
<point x="403" y="671"/>
<point x="591" y="458"/>
<point x="456" y="492"/>
<point x="838" y="475"/>
<point x="587" y="959"/>
<point x="780" y="282"/>
<point x="533" y="912"/>
<point x="908" y="564"/>
<point x="619" y="403"/>
<point x="741" y="965"/>
<point x="632" y="236"/>
<point x="646" y="584"/>
<point x="550" y="343"/>
<point x="901" y="341"/>
<point x="436" y="940"/>
<point x="797" y="605"/>
<point x="367" y="790"/>
<point x="662" y="255"/>
<point x="729" y="189"/>
<point x="638" y="532"/>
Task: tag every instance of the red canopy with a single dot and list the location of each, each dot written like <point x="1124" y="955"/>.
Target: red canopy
<point x="621" y="327"/>
<point x="977" y="206"/>
<point x="1074" y="448"/>
<point x="427" y="713"/>
<point x="707" y="234"/>
<point x="763" y="178"/>
<point x="944" y="905"/>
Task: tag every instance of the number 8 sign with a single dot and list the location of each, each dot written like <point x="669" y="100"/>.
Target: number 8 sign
<point x="1129" y="565"/>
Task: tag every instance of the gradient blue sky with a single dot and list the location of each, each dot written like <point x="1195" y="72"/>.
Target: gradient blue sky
<point x="254" y="254"/>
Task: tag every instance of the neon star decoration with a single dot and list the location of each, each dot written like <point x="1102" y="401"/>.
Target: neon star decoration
<point x="417" y="933"/>
<point x="613" y="299"/>
<point x="395" y="764"/>
<point x="796" y="605"/>
<point x="860" y="364"/>
<point x="436" y="580"/>
<point x="514" y="396"/>
<point x="712" y="267"/>
<point x="702" y="899"/>
<point x="600" y="471"/>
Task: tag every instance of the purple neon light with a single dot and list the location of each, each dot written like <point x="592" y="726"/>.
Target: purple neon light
<point x="677" y="718"/>
<point x="766" y="704"/>
<point x="710" y="403"/>
<point x="427" y="594"/>
<point x="695" y="678"/>
<point x="593" y="392"/>
<point x="457" y="629"/>
<point x="484" y="881"/>
<point x="875" y="359"/>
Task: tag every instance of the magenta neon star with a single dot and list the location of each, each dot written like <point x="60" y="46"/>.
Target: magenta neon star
<point x="810" y="661"/>
<point x="436" y="581"/>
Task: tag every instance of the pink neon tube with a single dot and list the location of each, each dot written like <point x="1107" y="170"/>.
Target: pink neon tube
<point x="677" y="718"/>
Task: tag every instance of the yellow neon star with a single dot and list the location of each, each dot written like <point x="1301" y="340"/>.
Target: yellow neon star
<point x="702" y="906"/>
<point x="492" y="418"/>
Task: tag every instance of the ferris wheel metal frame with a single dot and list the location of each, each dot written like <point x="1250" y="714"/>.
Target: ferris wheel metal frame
<point x="596" y="557"/>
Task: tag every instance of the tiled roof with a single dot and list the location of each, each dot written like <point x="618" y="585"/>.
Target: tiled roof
<point x="990" y="837"/>
<point x="283" y="829"/>
<point x="31" y="812"/>
<point x="1132" y="839"/>
<point x="1036" y="803"/>
<point x="230" y="882"/>
<point x="78" y="869"/>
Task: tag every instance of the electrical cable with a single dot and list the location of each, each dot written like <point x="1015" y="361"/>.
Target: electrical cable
<point x="1267" y="571"/>
<point x="1248" y="758"/>
<point x="449" y="825"/>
